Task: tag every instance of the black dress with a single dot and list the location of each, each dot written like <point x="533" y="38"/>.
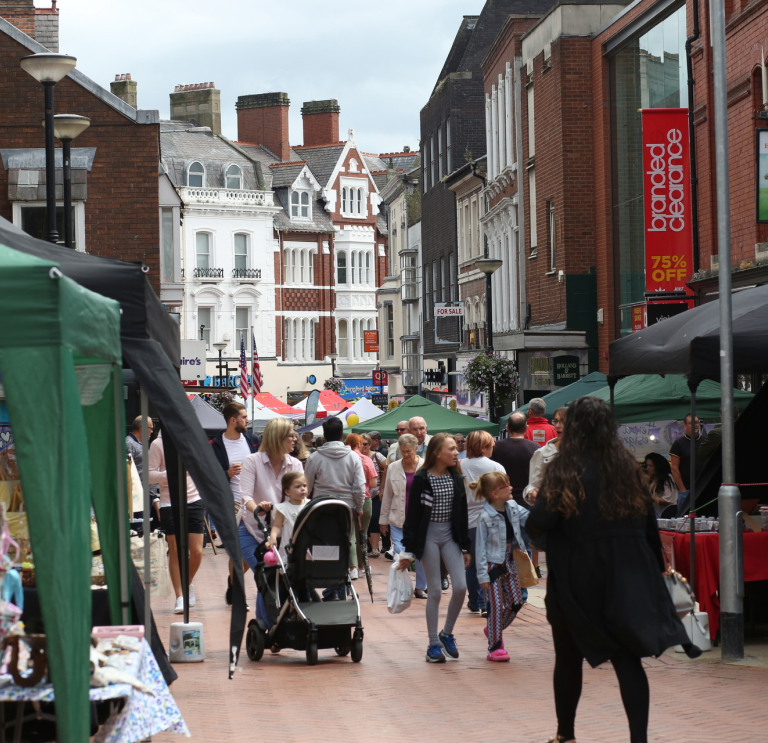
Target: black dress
<point x="604" y="580"/>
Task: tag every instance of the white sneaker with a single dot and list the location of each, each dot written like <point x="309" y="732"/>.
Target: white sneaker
<point x="353" y="574"/>
<point x="179" y="608"/>
<point x="192" y="599"/>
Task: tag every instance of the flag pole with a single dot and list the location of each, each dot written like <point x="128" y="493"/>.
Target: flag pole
<point x="253" y="372"/>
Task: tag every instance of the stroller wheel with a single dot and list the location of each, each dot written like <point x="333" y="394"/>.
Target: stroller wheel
<point x="312" y="653"/>
<point x="254" y="641"/>
<point x="357" y="649"/>
<point x="344" y="649"/>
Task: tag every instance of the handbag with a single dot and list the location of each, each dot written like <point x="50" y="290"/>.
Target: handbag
<point x="526" y="573"/>
<point x="680" y="592"/>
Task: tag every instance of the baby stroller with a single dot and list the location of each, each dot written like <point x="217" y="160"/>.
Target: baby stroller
<point x="318" y="557"/>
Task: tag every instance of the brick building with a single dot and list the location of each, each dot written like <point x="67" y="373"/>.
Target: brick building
<point x="115" y="180"/>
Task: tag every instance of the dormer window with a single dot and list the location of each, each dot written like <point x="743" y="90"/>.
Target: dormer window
<point x="300" y="205"/>
<point x="234" y="177"/>
<point x="196" y="175"/>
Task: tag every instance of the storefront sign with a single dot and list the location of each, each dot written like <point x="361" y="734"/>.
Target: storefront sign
<point x="380" y="377"/>
<point x="638" y="317"/>
<point x="380" y="401"/>
<point x="358" y="387"/>
<point x="371" y="341"/>
<point x="666" y="177"/>
<point x="565" y="370"/>
<point x="761" y="190"/>
<point x="192" y="361"/>
<point x="658" y="311"/>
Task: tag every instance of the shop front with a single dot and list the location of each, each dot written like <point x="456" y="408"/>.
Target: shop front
<point x="542" y="372"/>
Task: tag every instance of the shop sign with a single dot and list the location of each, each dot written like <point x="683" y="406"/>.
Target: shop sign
<point x="565" y="370"/>
<point x="358" y="387"/>
<point x="761" y="191"/>
<point x="667" y="196"/>
<point x="192" y="361"/>
<point x="380" y="377"/>
<point x="658" y="311"/>
<point x="381" y="401"/>
<point x="638" y="317"/>
<point x="442" y="310"/>
<point x="371" y="341"/>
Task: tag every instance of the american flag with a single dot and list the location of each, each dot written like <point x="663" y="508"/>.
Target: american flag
<point x="243" y="369"/>
<point x="256" y="379"/>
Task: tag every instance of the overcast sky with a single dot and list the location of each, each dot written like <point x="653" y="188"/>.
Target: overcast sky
<point x="379" y="59"/>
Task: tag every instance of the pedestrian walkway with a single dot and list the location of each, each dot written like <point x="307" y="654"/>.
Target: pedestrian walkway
<point x="393" y="695"/>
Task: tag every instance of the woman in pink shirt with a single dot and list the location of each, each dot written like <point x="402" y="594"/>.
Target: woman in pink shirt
<point x="355" y="442"/>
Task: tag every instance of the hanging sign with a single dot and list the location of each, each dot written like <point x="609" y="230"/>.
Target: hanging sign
<point x="371" y="341"/>
<point x="667" y="196"/>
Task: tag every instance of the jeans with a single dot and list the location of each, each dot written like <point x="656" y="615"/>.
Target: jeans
<point x="475" y="593"/>
<point x="248" y="545"/>
<point x="396" y="532"/>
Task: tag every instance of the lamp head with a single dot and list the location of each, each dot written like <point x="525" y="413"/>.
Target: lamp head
<point x="67" y="127"/>
<point x="48" y="67"/>
<point x="333" y="356"/>
<point x="219" y="346"/>
<point x="488" y="265"/>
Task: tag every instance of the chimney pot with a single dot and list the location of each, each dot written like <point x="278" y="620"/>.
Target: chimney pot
<point x="321" y="122"/>
<point x="263" y="119"/>
<point x="125" y="89"/>
<point x="199" y="101"/>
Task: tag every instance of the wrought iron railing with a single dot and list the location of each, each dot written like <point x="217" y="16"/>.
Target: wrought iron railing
<point x="209" y="273"/>
<point x="246" y="273"/>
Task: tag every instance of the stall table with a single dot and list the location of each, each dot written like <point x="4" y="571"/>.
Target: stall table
<point x="707" y="579"/>
<point x="142" y="715"/>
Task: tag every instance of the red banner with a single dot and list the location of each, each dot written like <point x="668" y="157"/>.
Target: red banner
<point x="667" y="191"/>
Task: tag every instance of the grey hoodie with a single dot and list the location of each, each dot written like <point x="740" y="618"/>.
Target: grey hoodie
<point x="334" y="469"/>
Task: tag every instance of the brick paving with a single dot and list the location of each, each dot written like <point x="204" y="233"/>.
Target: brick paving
<point x="394" y="695"/>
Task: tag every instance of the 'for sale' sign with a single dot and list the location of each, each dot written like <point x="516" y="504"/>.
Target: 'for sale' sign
<point x="667" y="178"/>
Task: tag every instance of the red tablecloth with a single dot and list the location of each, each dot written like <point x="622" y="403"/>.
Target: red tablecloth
<point x="707" y="579"/>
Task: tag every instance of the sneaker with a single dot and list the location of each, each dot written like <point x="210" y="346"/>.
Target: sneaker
<point x="375" y="552"/>
<point x="435" y="654"/>
<point x="389" y="555"/>
<point x="353" y="574"/>
<point x="192" y="599"/>
<point x="500" y="655"/>
<point x="179" y="607"/>
<point x="420" y="593"/>
<point x="484" y="612"/>
<point x="228" y="593"/>
<point x="501" y="647"/>
<point x="445" y="584"/>
<point x="473" y="609"/>
<point x="449" y="645"/>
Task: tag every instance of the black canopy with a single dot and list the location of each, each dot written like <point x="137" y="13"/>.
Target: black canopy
<point x="151" y="348"/>
<point x="689" y="343"/>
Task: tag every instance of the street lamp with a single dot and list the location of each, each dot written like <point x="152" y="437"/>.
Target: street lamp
<point x="333" y="357"/>
<point x="67" y="127"/>
<point x="220" y="346"/>
<point x="48" y="69"/>
<point x="489" y="266"/>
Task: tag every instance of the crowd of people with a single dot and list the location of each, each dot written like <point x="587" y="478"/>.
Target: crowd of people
<point x="471" y="515"/>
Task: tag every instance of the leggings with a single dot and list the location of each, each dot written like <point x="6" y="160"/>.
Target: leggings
<point x="440" y="543"/>
<point x="504" y="599"/>
<point x="633" y="685"/>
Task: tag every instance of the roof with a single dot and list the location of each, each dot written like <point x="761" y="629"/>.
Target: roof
<point x="285" y="174"/>
<point x="320" y="222"/>
<point x="264" y="156"/>
<point x="380" y="179"/>
<point x="321" y="160"/>
<point x="373" y="162"/>
<point x="400" y="161"/>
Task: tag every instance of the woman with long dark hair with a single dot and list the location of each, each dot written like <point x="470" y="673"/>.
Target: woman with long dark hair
<point x="606" y="599"/>
<point x="435" y="528"/>
<point x="661" y="483"/>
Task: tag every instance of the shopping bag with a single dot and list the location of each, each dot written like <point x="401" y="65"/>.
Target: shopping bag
<point x="399" y="589"/>
<point x="526" y="573"/>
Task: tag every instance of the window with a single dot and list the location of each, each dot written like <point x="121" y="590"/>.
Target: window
<point x="367" y="268"/>
<point x="424" y="173"/>
<point x="241" y="252"/>
<point x="242" y="328"/>
<point x="452" y="278"/>
<point x="448" y="145"/>
<point x="354" y="256"/>
<point x="532" y="200"/>
<point x="34" y="221"/>
<point x="305" y="204"/>
<point x="343" y="340"/>
<point x="204" y="326"/>
<point x="168" y="262"/>
<point x="531" y="124"/>
<point x="390" y="315"/>
<point x="440" y="152"/>
<point x="203" y="249"/>
<point x="436" y="297"/>
<point x="359" y="200"/>
<point x="300" y="205"/>
<point x="196" y="175"/>
<point x="341" y="269"/>
<point x="552" y="237"/>
<point x="432" y="160"/>
<point x="427" y="293"/>
<point x="443" y="279"/>
<point x="343" y="200"/>
<point x="234" y="177"/>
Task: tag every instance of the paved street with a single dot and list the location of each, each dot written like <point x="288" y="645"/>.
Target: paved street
<point x="394" y="695"/>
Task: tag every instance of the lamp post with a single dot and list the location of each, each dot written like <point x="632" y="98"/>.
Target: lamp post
<point x="333" y="357"/>
<point x="220" y="346"/>
<point x="67" y="127"/>
<point x="48" y="69"/>
<point x="489" y="266"/>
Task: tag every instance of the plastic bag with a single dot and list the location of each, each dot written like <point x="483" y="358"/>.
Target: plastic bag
<point x="399" y="589"/>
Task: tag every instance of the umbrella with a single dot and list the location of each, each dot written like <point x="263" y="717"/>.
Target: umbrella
<point x="363" y="538"/>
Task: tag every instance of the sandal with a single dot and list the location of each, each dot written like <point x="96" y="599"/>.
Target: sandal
<point x="375" y="552"/>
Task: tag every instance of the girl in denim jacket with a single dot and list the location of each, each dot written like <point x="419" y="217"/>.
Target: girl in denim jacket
<point x="498" y="535"/>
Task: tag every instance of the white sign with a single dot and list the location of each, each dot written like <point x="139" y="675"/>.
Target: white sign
<point x="443" y="311"/>
<point x="192" y="361"/>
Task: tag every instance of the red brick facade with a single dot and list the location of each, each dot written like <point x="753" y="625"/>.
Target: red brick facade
<point x="263" y="119"/>
<point x="21" y="13"/>
<point x="321" y="128"/>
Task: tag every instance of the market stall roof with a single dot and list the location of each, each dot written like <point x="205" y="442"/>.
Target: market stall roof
<point x="268" y="400"/>
<point x="438" y="418"/>
<point x="210" y="419"/>
<point x="650" y="397"/>
<point x="363" y="408"/>
<point x="332" y="402"/>
<point x="584" y="386"/>
<point x="689" y="343"/>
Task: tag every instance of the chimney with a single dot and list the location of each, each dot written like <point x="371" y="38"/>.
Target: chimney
<point x="125" y="89"/>
<point x="201" y="102"/>
<point x="321" y="122"/>
<point x="263" y="119"/>
<point x="47" y="26"/>
<point x="21" y="13"/>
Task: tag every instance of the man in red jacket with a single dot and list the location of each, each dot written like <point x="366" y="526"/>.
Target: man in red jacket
<point x="539" y="428"/>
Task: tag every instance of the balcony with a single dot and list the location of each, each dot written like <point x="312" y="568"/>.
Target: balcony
<point x="208" y="274"/>
<point x="225" y="197"/>
<point x="246" y="273"/>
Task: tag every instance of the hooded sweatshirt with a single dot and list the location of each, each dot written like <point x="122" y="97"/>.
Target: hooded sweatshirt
<point x="334" y="469"/>
<point x="540" y="430"/>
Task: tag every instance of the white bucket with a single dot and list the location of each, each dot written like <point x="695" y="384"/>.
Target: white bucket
<point x="702" y="641"/>
<point x="187" y="643"/>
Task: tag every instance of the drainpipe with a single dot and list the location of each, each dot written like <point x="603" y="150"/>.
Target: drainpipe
<point x="694" y="179"/>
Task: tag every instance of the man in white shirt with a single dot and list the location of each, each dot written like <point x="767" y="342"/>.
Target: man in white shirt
<point x="461" y="445"/>
<point x="418" y="427"/>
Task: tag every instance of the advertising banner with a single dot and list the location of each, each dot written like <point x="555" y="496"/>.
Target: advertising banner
<point x="667" y="192"/>
<point x="371" y="341"/>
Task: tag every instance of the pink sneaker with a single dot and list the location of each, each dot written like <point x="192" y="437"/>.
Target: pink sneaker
<point x="485" y="629"/>
<point x="500" y="655"/>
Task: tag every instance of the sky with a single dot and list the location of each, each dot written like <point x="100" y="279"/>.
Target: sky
<point x="380" y="60"/>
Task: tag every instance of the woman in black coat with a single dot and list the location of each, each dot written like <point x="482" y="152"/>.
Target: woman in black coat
<point x="606" y="599"/>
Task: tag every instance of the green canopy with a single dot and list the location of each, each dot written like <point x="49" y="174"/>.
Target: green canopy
<point x="438" y="418"/>
<point x="60" y="348"/>
<point x="650" y="397"/>
<point x="557" y="399"/>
